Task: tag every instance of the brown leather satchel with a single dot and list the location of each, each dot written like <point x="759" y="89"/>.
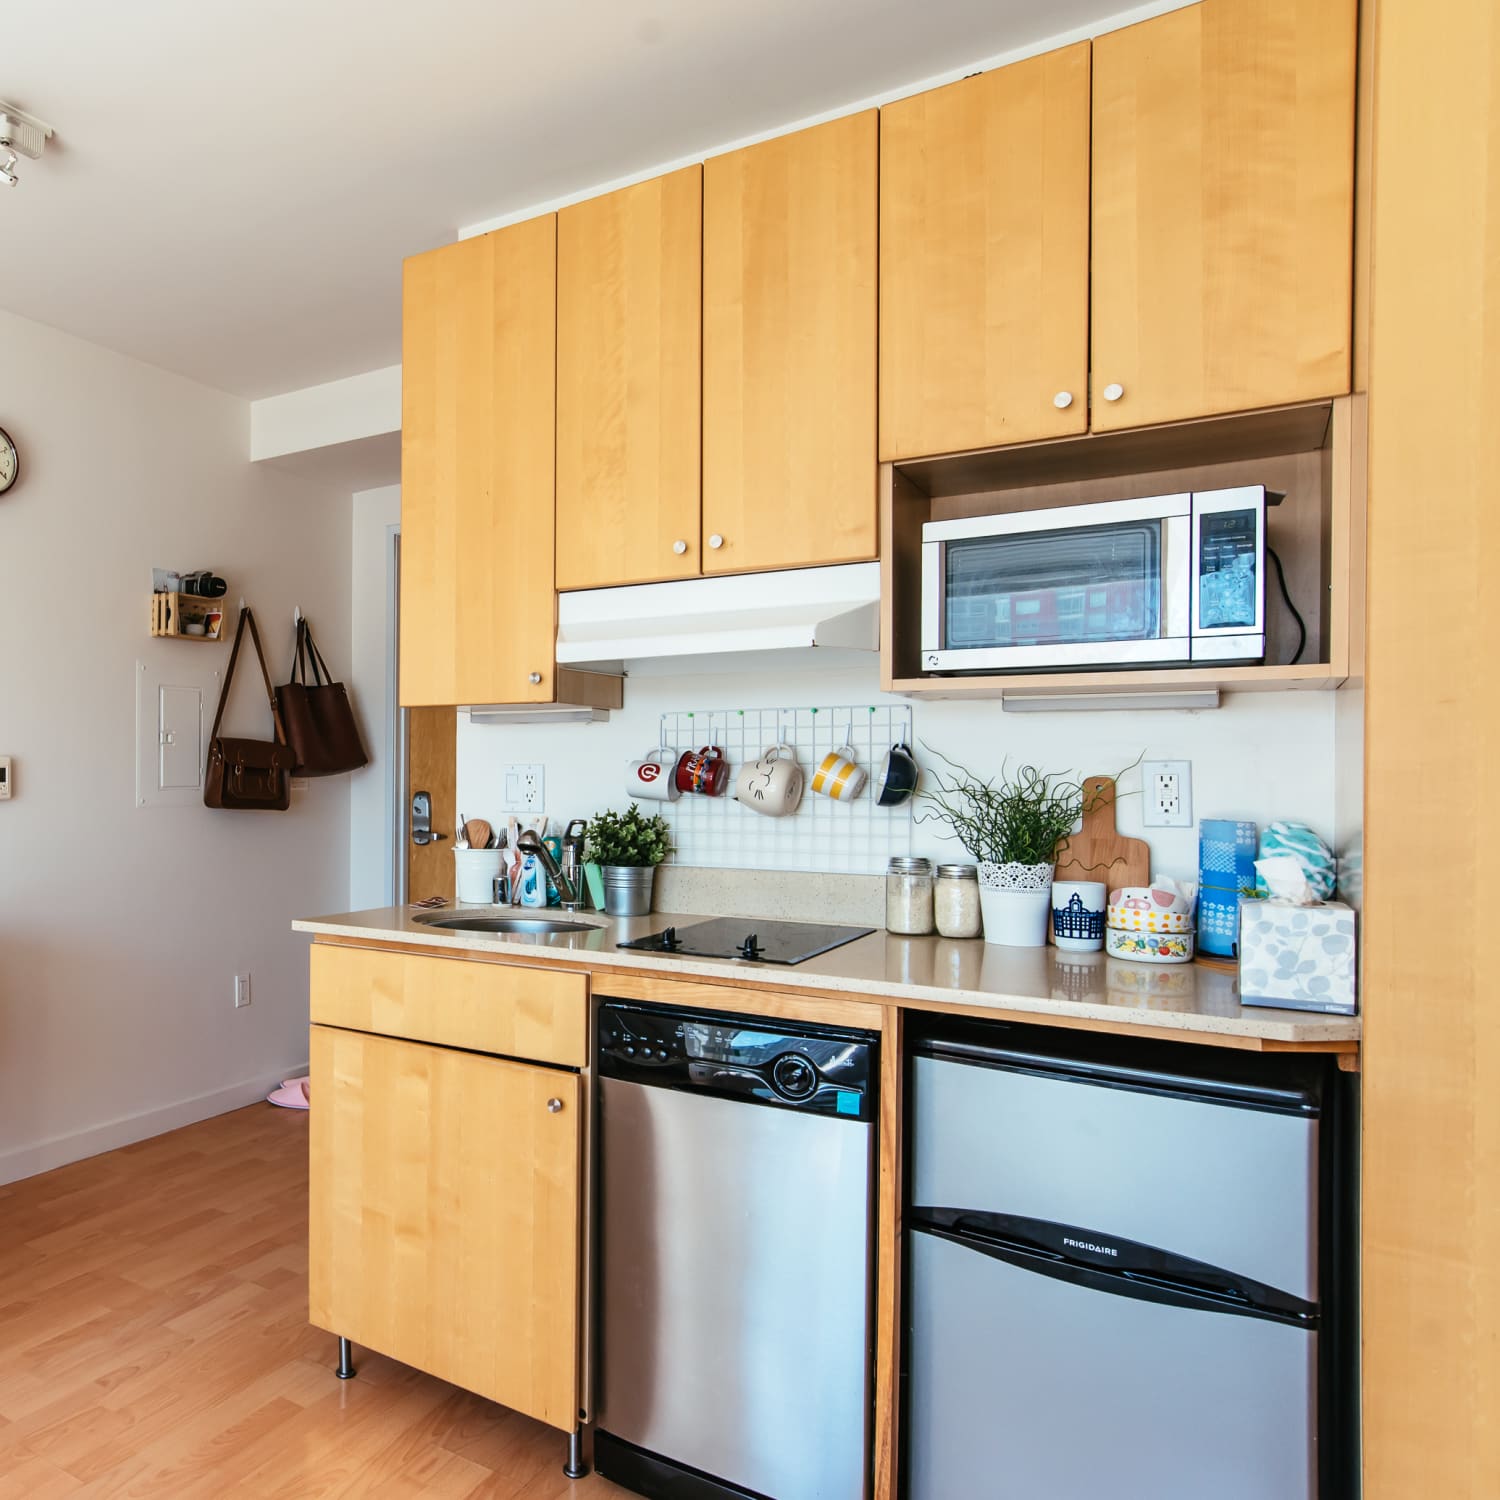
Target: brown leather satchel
<point x="248" y="775"/>
<point x="319" y="719"/>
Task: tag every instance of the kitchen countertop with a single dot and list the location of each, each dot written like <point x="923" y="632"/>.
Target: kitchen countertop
<point x="980" y="977"/>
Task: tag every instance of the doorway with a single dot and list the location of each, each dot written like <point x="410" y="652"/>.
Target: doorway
<point x="426" y="761"/>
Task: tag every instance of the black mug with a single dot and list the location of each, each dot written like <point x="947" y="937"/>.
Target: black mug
<point x="898" y="776"/>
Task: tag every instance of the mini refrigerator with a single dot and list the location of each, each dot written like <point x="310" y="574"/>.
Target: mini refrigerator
<point x="1126" y="1271"/>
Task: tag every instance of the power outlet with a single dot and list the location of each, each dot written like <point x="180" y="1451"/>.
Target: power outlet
<point x="525" y="788"/>
<point x="241" y="991"/>
<point x="1167" y="793"/>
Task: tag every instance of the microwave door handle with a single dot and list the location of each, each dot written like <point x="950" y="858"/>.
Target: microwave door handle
<point x="1179" y="581"/>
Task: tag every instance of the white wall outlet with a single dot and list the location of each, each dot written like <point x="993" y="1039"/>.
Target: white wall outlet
<point x="525" y="788"/>
<point x="301" y="783"/>
<point x="1167" y="793"/>
<point x="7" y="778"/>
<point x="241" y="991"/>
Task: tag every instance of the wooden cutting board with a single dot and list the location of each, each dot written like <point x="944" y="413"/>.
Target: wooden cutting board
<point x="1098" y="851"/>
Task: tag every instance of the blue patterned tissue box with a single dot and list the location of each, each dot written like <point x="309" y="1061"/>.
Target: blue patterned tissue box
<point x="1298" y="957"/>
<point x="1226" y="863"/>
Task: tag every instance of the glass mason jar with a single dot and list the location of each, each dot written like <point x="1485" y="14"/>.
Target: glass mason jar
<point x="955" y="901"/>
<point x="908" y="896"/>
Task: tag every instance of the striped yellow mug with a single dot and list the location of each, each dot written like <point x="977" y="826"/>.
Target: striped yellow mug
<point x="839" y="777"/>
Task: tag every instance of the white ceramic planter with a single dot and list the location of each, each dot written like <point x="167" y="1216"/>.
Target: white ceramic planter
<point x="1017" y="904"/>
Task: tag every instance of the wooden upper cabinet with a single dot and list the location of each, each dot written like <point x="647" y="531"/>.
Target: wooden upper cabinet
<point x="1223" y="177"/>
<point x="629" y="380"/>
<point x="477" y="450"/>
<point x="984" y="259"/>
<point x="789" y="317"/>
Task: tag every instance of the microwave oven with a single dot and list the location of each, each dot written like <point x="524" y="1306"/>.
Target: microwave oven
<point x="1172" y="578"/>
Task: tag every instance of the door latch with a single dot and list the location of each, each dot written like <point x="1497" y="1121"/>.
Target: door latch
<point x="421" y="820"/>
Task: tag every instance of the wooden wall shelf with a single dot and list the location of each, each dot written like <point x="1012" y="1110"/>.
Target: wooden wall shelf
<point x="1314" y="453"/>
<point x="171" y="614"/>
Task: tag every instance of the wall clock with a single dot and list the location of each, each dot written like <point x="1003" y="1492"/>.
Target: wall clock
<point x="10" y="462"/>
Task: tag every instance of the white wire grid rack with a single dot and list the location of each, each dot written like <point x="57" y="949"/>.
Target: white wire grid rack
<point x="856" y="837"/>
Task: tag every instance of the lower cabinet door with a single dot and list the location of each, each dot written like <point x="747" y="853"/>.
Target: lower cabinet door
<point x="444" y="1215"/>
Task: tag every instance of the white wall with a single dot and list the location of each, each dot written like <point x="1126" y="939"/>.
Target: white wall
<point x="121" y="928"/>
<point x="1262" y="755"/>
<point x="370" y="810"/>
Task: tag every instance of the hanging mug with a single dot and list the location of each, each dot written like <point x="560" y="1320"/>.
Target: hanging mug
<point x="652" y="777"/>
<point x="898" y="776"/>
<point x="704" y="771"/>
<point x="773" y="784"/>
<point x="840" y="776"/>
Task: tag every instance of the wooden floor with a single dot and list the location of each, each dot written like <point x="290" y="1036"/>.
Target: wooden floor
<point x="154" y="1343"/>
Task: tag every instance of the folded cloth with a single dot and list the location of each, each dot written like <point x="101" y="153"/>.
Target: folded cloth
<point x="293" y="1094"/>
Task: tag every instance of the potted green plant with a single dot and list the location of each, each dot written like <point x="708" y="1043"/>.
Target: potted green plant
<point x="628" y="846"/>
<point x="1010" y="824"/>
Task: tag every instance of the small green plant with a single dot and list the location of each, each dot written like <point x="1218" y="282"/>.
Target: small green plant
<point x="1014" y="819"/>
<point x="628" y="838"/>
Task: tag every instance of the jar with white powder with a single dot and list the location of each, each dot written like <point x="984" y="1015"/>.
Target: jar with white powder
<point x="908" y="896"/>
<point x="955" y="900"/>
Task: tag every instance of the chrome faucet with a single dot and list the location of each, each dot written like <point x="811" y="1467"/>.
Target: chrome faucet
<point x="567" y="890"/>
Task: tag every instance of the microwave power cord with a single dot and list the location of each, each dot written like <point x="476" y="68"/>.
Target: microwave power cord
<point x="1286" y="595"/>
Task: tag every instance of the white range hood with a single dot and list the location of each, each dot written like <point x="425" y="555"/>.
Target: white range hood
<point x="827" y="609"/>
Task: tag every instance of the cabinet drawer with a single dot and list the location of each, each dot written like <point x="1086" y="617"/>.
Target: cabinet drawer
<point x="482" y="1007"/>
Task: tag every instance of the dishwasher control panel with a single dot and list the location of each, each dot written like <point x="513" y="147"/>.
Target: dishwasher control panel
<point x="815" y="1069"/>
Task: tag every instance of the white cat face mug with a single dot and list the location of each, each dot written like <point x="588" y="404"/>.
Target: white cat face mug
<point x="773" y="784"/>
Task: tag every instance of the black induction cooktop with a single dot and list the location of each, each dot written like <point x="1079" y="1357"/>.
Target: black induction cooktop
<point x="749" y="938"/>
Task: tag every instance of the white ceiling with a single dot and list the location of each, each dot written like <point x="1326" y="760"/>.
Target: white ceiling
<point x="233" y="186"/>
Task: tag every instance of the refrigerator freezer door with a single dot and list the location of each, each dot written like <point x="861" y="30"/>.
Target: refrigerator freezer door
<point x="735" y="1288"/>
<point x="1025" y="1386"/>
<point x="1235" y="1187"/>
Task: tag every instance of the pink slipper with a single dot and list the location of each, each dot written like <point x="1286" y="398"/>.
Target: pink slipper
<point x="294" y="1093"/>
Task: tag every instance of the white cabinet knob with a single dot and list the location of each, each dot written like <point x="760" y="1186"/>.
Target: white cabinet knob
<point x="716" y="541"/>
<point x="1113" y="391"/>
<point x="1063" y="400"/>
<point x="534" y="678"/>
<point x="554" y="1106"/>
<point x="679" y="547"/>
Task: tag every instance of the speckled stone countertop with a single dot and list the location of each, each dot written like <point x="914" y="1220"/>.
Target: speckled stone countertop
<point x="980" y="977"/>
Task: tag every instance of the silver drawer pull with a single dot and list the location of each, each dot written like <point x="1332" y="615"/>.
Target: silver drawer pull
<point x="554" y="1106"/>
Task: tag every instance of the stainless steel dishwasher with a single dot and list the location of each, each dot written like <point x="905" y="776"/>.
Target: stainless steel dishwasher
<point x="736" y="1176"/>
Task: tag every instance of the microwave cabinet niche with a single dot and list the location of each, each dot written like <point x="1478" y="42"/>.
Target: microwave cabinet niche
<point x="1312" y="455"/>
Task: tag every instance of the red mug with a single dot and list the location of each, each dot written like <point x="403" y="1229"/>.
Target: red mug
<point x="703" y="771"/>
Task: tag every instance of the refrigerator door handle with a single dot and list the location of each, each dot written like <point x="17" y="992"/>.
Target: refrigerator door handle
<point x="1123" y="1269"/>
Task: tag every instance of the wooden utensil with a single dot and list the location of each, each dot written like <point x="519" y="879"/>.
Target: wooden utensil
<point x="1098" y="851"/>
<point x="477" y="832"/>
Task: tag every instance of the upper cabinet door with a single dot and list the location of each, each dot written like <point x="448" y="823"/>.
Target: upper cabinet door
<point x="984" y="259"/>
<point x="1223" y="209"/>
<point x="789" y="314"/>
<point x="629" y="383"/>
<point x="478" y="622"/>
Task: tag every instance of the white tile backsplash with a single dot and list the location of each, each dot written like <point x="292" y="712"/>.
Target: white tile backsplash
<point x="1262" y="755"/>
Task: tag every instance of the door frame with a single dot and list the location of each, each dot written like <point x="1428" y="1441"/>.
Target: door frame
<point x="397" y="783"/>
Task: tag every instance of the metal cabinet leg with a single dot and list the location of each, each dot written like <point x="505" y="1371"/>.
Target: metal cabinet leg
<point x="575" y="1468"/>
<point x="345" y="1369"/>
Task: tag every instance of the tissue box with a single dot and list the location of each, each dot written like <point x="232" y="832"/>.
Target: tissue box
<point x="1297" y="957"/>
<point x="1226" y="864"/>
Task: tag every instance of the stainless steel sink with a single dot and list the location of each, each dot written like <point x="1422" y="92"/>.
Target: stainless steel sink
<point x="534" y="926"/>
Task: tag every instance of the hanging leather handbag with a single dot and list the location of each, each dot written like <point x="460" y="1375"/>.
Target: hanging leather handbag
<point x="319" y="720"/>
<point x="248" y="775"/>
